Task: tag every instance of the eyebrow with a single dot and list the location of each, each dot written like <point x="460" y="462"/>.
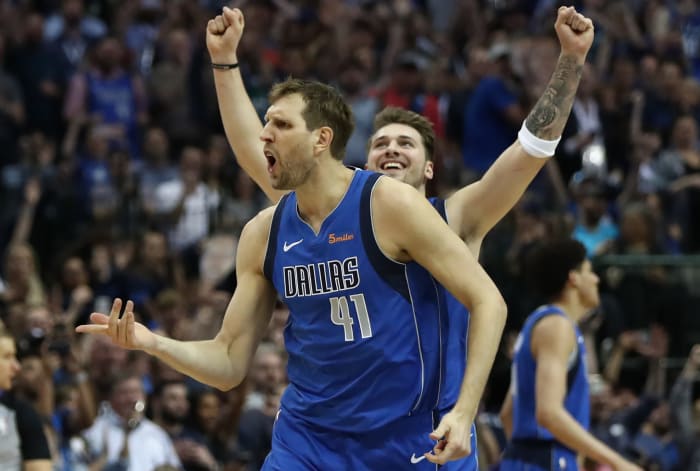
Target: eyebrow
<point x="400" y="136"/>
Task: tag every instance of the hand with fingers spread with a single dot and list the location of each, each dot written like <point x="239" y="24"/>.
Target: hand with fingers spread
<point x="223" y="35"/>
<point x="453" y="436"/>
<point x="575" y="31"/>
<point x="122" y="329"/>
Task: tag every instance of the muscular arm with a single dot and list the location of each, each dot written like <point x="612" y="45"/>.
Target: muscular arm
<point x="223" y="361"/>
<point x="474" y="210"/>
<point x="553" y="341"/>
<point x="242" y="126"/>
<point x="407" y="227"/>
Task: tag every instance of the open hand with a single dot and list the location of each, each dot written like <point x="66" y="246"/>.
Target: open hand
<point x="124" y="331"/>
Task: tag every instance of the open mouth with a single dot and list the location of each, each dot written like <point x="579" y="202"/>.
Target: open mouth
<point x="271" y="160"/>
<point x="392" y="165"/>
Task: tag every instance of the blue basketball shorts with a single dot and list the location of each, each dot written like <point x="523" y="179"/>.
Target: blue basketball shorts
<point x="398" y="446"/>
<point x="538" y="455"/>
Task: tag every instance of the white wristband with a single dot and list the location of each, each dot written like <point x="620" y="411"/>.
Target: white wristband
<point x="535" y="146"/>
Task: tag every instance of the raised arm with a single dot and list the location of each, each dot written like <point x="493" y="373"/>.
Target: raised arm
<point x="553" y="341"/>
<point x="407" y="227"/>
<point x="475" y="209"/>
<point x="223" y="361"/>
<point x="241" y="122"/>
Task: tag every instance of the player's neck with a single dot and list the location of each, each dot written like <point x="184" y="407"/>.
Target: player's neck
<point x="570" y="304"/>
<point x="322" y="192"/>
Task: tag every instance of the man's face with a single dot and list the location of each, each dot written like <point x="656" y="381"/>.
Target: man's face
<point x="9" y="366"/>
<point x="32" y="374"/>
<point x="267" y="371"/>
<point x="288" y="143"/>
<point x="175" y="403"/>
<point x="397" y="150"/>
<point x="208" y="410"/>
<point x="125" y="396"/>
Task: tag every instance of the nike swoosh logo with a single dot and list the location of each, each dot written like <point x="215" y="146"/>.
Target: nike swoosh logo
<point x="416" y="459"/>
<point x="287" y="247"/>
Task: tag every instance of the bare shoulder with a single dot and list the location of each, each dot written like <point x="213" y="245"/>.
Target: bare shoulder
<point x="254" y="237"/>
<point x="553" y="332"/>
<point x="393" y="194"/>
<point x="260" y="223"/>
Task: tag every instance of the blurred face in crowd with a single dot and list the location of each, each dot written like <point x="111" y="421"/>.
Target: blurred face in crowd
<point x="624" y="74"/>
<point x="174" y="403"/>
<point x="267" y="370"/>
<point x="352" y="78"/>
<point x="108" y="56"/>
<point x="660" y="419"/>
<point x="670" y="78"/>
<point x="179" y="46"/>
<point x="156" y="145"/>
<point x="208" y="411"/>
<point x="155" y="248"/>
<point x="288" y="143"/>
<point x="9" y="366"/>
<point x="39" y="319"/>
<point x="685" y="133"/>
<point x="125" y="395"/>
<point x="635" y="226"/>
<point x="34" y="29"/>
<point x="74" y="273"/>
<point x="191" y="165"/>
<point x="31" y="376"/>
<point x="72" y="11"/>
<point x="397" y="150"/>
<point x="100" y="258"/>
<point x="592" y="202"/>
<point x="408" y="79"/>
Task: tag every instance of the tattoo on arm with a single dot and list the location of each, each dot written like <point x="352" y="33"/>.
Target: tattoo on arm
<point x="548" y="117"/>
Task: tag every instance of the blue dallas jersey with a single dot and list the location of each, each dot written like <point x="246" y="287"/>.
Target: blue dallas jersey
<point x="456" y="327"/>
<point x="363" y="336"/>
<point x="524" y="367"/>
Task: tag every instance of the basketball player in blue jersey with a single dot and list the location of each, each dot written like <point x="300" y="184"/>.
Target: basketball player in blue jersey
<point x="402" y="147"/>
<point x="356" y="257"/>
<point x="546" y="412"/>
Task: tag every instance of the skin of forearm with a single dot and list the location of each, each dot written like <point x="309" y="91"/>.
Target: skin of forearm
<point x="485" y="329"/>
<point x="207" y="361"/>
<point x="549" y="115"/>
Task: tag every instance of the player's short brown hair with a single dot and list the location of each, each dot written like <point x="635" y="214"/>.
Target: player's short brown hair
<point x="393" y="115"/>
<point x="325" y="106"/>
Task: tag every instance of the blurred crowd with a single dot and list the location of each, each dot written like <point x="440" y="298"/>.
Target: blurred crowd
<point x="116" y="180"/>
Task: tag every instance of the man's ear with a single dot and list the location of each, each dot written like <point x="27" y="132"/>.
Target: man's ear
<point x="324" y="139"/>
<point x="429" y="171"/>
<point x="574" y="278"/>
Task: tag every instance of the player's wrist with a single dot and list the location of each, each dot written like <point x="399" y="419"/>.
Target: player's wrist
<point x="577" y="56"/>
<point x="465" y="411"/>
<point x="536" y="146"/>
<point x="224" y="59"/>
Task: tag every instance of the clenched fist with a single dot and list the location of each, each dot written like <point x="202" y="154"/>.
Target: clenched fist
<point x="223" y="35"/>
<point x="575" y="31"/>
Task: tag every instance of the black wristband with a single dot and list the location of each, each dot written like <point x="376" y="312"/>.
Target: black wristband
<point x="224" y="66"/>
